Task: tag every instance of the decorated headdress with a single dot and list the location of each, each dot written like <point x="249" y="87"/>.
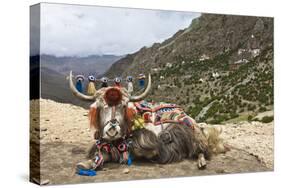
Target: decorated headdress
<point x="92" y="78"/>
<point x="141" y="76"/>
<point x="129" y="78"/>
<point x="117" y="80"/>
<point x="113" y="96"/>
<point x="104" y="79"/>
<point x="80" y="77"/>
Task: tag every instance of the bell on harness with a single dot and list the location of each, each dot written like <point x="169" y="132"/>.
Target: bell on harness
<point x="122" y="147"/>
<point x="165" y="137"/>
<point x="119" y="152"/>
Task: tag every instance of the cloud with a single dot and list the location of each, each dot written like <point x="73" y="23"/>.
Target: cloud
<point x="74" y="30"/>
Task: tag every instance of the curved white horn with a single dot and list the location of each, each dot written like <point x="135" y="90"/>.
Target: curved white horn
<point x="144" y="94"/>
<point x="77" y="93"/>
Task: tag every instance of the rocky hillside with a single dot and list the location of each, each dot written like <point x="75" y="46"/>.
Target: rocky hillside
<point x="219" y="68"/>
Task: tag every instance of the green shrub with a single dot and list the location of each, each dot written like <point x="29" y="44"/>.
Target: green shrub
<point x="221" y="118"/>
<point x="233" y="115"/>
<point x="250" y="118"/>
<point x="262" y="109"/>
<point x="194" y="111"/>
<point x="214" y="121"/>
<point x="267" y="119"/>
<point x="251" y="107"/>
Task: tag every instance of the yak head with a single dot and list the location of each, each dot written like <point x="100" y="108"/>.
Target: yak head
<point x="112" y="111"/>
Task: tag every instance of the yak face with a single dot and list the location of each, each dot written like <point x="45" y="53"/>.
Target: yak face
<point x="102" y="120"/>
<point x="111" y="114"/>
<point x="113" y="128"/>
<point x="107" y="114"/>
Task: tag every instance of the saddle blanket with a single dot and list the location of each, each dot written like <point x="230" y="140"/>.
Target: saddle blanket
<point x="159" y="113"/>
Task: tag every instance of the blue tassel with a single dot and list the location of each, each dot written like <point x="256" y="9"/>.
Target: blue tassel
<point x="79" y="86"/>
<point x="83" y="172"/>
<point x="141" y="83"/>
<point x="129" y="162"/>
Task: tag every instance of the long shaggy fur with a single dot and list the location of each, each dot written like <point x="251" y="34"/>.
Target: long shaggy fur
<point x="183" y="144"/>
<point x="180" y="144"/>
<point x="173" y="144"/>
<point x="144" y="144"/>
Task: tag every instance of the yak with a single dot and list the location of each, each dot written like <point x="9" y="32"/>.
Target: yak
<point x="112" y="114"/>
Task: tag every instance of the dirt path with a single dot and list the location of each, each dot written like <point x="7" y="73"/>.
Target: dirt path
<point x="64" y="139"/>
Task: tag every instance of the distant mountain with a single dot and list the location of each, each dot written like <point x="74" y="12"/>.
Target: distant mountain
<point x="54" y="71"/>
<point x="94" y="64"/>
<point x="54" y="85"/>
<point x="219" y="68"/>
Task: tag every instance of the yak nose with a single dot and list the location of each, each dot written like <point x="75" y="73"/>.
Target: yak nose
<point x="113" y="123"/>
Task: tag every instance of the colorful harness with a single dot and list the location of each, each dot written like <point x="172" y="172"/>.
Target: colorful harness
<point x="118" y="152"/>
<point x="165" y="113"/>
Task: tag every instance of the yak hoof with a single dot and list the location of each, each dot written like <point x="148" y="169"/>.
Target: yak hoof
<point x="86" y="165"/>
<point x="201" y="162"/>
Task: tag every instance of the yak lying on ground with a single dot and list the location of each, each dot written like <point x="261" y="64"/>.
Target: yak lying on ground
<point x="111" y="119"/>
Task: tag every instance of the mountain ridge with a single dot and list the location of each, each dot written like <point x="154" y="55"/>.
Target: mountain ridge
<point x="214" y="55"/>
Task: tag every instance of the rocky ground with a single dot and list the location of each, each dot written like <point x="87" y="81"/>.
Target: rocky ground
<point x="63" y="138"/>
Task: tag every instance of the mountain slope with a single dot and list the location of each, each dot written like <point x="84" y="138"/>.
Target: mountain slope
<point x="219" y="68"/>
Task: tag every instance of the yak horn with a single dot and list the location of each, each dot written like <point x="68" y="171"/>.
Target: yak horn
<point x="144" y="94"/>
<point x="77" y="93"/>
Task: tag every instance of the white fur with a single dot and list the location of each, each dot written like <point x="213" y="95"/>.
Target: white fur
<point x="106" y="132"/>
<point x="156" y="129"/>
<point x="105" y="117"/>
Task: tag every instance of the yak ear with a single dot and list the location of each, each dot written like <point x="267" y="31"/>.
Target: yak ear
<point x="130" y="115"/>
<point x="94" y="117"/>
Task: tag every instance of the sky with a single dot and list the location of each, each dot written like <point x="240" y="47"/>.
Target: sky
<point x="75" y="30"/>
